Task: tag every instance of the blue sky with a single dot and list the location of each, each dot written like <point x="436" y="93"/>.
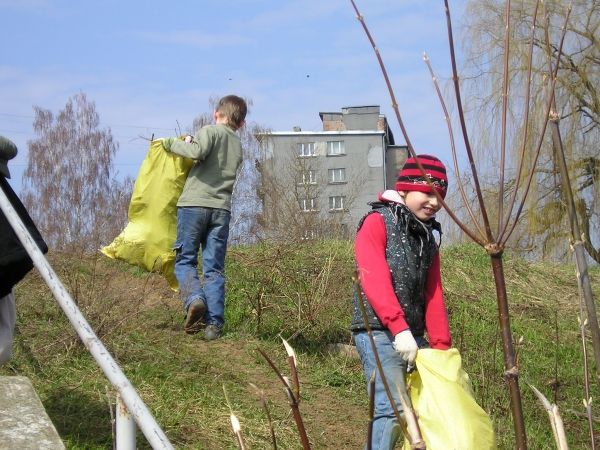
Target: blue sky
<point x="148" y="65"/>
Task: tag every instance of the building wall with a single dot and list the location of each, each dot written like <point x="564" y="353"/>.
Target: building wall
<point x="362" y="161"/>
<point x="396" y="156"/>
<point x="314" y="181"/>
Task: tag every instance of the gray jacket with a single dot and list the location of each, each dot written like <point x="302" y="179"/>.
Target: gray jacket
<point x="218" y="153"/>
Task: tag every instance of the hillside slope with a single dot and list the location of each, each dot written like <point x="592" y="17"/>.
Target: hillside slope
<point x="302" y="292"/>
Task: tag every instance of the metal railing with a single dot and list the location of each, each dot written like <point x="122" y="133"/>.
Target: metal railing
<point x="126" y="392"/>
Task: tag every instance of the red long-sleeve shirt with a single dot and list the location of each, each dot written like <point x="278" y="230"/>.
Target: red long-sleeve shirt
<point x="376" y="281"/>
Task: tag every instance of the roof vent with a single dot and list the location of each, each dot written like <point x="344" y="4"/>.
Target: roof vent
<point x="297" y="129"/>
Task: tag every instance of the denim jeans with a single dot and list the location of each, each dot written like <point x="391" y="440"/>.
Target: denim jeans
<point x="386" y="430"/>
<point x="207" y="228"/>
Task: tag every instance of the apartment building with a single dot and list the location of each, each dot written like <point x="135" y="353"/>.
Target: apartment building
<point x="318" y="183"/>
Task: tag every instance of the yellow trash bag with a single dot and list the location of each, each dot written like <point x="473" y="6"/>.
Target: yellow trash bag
<point x="442" y="396"/>
<point x="147" y="240"/>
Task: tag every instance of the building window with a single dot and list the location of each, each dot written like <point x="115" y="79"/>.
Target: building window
<point x="308" y="177"/>
<point x="307" y="149"/>
<point x="337" y="175"/>
<point x="337" y="203"/>
<point x="336" y="148"/>
<point x="308" y="204"/>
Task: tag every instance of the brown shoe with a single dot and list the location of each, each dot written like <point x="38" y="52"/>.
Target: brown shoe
<point x="193" y="321"/>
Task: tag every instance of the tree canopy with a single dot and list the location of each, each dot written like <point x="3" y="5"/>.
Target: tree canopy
<point x="544" y="226"/>
<point x="69" y="186"/>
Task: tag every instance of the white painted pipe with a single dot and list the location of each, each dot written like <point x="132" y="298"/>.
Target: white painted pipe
<point x="153" y="433"/>
<point x="125" y="425"/>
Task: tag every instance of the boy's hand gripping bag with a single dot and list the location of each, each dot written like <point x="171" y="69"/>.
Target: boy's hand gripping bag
<point x="147" y="240"/>
<point x="442" y="397"/>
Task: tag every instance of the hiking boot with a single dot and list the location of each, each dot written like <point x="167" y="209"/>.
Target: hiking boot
<point x="212" y="332"/>
<point x="193" y="321"/>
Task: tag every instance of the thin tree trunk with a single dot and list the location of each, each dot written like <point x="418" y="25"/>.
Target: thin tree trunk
<point x="578" y="245"/>
<point x="510" y="369"/>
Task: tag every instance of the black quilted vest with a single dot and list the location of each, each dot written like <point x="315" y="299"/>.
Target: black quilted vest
<point x="409" y="253"/>
<point x="14" y="259"/>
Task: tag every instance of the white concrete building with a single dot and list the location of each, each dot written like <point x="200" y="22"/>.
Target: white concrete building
<point x="328" y="176"/>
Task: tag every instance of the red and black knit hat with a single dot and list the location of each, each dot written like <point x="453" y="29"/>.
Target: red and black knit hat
<point x="410" y="177"/>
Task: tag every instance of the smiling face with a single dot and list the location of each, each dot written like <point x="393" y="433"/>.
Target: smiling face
<point x="424" y="205"/>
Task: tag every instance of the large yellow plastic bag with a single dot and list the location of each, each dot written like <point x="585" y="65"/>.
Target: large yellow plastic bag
<point x="441" y="394"/>
<point x="147" y="240"/>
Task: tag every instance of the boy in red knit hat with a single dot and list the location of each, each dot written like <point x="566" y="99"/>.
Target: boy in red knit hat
<point x="399" y="270"/>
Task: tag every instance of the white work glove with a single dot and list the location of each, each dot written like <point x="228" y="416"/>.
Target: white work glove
<point x="406" y="346"/>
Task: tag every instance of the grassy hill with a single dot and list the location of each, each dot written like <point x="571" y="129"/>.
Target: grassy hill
<point x="303" y="293"/>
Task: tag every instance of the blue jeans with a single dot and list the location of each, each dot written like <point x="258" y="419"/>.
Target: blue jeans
<point x="386" y="430"/>
<point x="207" y="228"/>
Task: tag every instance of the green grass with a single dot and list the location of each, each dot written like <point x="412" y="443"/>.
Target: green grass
<point x="302" y="293"/>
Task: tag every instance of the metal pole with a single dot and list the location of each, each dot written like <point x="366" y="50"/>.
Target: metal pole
<point x="383" y="157"/>
<point x="154" y="434"/>
<point x="125" y="427"/>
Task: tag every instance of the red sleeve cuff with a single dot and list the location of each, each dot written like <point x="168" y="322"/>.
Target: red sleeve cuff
<point x="397" y="326"/>
<point x="440" y="346"/>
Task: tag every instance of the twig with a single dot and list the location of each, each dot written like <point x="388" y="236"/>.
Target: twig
<point x="512" y="201"/>
<point x="263" y="401"/>
<point x="293" y="399"/>
<point x="453" y="146"/>
<point x="558" y="427"/>
<point x="112" y="418"/>
<point x="411" y="421"/>
<point x="587" y="402"/>
<point x="235" y="423"/>
<point x="463" y="125"/>
<point x="371" y="410"/>
<point x="405" y="134"/>
<point x="356" y="281"/>
<point x="582" y="415"/>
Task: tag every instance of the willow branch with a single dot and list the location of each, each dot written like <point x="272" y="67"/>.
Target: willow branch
<point x="543" y="131"/>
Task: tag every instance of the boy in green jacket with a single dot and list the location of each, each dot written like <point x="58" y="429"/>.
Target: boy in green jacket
<point x="204" y="212"/>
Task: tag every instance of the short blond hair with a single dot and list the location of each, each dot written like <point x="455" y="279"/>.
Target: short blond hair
<point x="233" y="109"/>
